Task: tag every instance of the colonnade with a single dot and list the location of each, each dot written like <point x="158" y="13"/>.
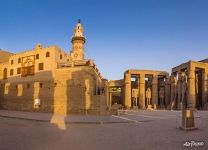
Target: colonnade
<point x="141" y="86"/>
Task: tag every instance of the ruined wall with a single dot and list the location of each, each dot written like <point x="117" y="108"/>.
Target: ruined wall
<point x="19" y="93"/>
<point x="79" y="90"/>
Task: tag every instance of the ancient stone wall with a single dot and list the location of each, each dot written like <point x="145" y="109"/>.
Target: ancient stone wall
<point x="79" y="90"/>
<point x="67" y="90"/>
<point x="19" y="93"/>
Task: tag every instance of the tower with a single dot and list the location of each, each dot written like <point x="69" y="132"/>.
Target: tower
<point x="78" y="41"/>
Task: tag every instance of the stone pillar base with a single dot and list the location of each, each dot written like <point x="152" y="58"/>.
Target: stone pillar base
<point x="188" y="120"/>
<point x="162" y="107"/>
<point x="135" y="107"/>
<point x="155" y="106"/>
<point x="149" y="107"/>
<point x="206" y="106"/>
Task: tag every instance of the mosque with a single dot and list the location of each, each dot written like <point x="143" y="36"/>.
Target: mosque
<point x="47" y="79"/>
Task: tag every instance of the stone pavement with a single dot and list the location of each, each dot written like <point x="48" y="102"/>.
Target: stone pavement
<point x="131" y="130"/>
<point x="72" y="118"/>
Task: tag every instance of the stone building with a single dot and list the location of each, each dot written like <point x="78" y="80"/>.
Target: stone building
<point x="133" y="89"/>
<point x="185" y="88"/>
<point x="48" y="79"/>
<point x="116" y="92"/>
<point x="189" y="85"/>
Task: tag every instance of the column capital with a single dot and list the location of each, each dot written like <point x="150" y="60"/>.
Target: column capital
<point x="168" y="80"/>
<point x="173" y="79"/>
<point x="126" y="75"/>
<point x="179" y="75"/>
<point x="205" y="71"/>
<point x="127" y="78"/>
<point x="155" y="79"/>
<point x="191" y="73"/>
<point x="141" y="75"/>
<point x="141" y="79"/>
<point x="179" y="72"/>
<point x="191" y="69"/>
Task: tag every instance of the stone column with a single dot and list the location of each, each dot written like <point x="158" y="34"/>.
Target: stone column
<point x="191" y="97"/>
<point x="167" y="91"/>
<point x="179" y="100"/>
<point x="155" y="91"/>
<point x="127" y="101"/>
<point x="142" y="91"/>
<point x="204" y="87"/>
<point x="138" y="82"/>
<point x="173" y="86"/>
<point x="110" y="100"/>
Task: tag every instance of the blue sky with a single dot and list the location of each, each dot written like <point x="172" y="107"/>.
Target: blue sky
<point x="121" y="34"/>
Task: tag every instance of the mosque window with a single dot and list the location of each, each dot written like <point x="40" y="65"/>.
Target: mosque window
<point x="28" y="85"/>
<point x="19" y="70"/>
<point x="47" y="54"/>
<point x="40" y="67"/>
<point x="61" y="56"/>
<point x="12" y="62"/>
<point x="19" y="60"/>
<point x="41" y="85"/>
<point x="5" y="73"/>
<point x="37" y="56"/>
<point x="11" y="72"/>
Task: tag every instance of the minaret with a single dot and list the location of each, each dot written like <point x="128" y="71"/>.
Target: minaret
<point x="78" y="41"/>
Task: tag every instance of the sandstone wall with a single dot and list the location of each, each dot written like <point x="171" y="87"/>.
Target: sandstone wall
<point x="19" y="93"/>
<point x="79" y="90"/>
<point x="67" y="90"/>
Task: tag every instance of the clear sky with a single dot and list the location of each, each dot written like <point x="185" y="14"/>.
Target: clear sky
<point x="121" y="34"/>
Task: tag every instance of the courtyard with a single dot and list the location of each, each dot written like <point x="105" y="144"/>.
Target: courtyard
<point x="130" y="130"/>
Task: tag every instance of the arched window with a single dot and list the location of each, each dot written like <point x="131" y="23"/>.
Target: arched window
<point x="61" y="56"/>
<point x="19" y="60"/>
<point x="47" y="54"/>
<point x="5" y="73"/>
<point x="37" y="56"/>
<point x="11" y="72"/>
<point x="12" y="62"/>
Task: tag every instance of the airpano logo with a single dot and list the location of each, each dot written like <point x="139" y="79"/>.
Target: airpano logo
<point x="193" y="144"/>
